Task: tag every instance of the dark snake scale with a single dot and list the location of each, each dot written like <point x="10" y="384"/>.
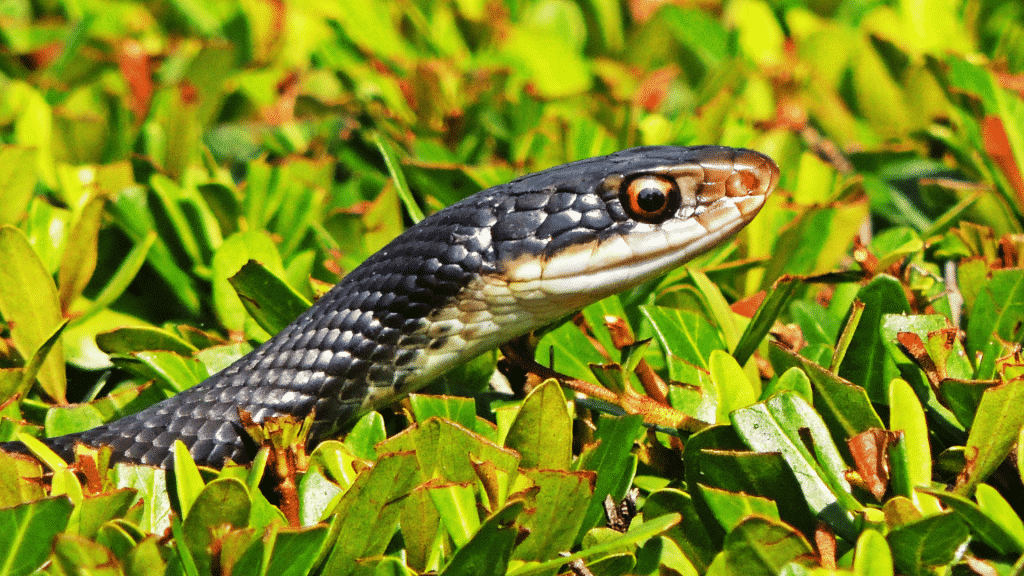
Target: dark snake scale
<point x="492" y="267"/>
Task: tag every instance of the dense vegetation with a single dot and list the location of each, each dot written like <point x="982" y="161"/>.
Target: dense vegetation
<point x="837" y="390"/>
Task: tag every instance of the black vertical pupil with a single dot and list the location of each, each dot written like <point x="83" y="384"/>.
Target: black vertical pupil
<point x="650" y="199"/>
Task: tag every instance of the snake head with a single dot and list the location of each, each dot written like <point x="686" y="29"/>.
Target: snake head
<point x="592" y="228"/>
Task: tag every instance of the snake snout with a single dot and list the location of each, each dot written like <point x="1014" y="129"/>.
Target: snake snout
<point x="754" y="174"/>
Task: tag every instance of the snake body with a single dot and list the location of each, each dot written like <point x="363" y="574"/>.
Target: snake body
<point x="492" y="267"/>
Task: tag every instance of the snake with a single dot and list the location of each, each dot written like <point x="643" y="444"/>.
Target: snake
<point x="492" y="267"/>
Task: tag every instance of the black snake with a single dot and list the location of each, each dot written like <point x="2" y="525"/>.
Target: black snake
<point x="492" y="267"/>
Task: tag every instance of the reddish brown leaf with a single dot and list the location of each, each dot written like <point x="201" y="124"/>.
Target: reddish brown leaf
<point x="997" y="145"/>
<point x="749" y="305"/>
<point x="654" y="87"/>
<point x="133" y="62"/>
<point x="911" y="344"/>
<point x="870" y="451"/>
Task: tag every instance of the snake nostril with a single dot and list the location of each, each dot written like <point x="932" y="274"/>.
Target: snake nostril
<point x="750" y="180"/>
<point x="742" y="183"/>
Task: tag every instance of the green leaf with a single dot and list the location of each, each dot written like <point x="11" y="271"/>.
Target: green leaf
<point x="732" y="386"/>
<point x="80" y="254"/>
<point x="398" y="177"/>
<point x="233" y="254"/>
<point x="17" y="180"/>
<point x="866" y="362"/>
<point x="555" y="512"/>
<point x="1006" y="537"/>
<point x="271" y="302"/>
<point x="447" y="451"/>
<point x="843" y="405"/>
<point x="998" y="311"/>
<point x="27" y="532"/>
<point x="996" y="425"/>
<point x="691" y="534"/>
<point x="932" y="542"/>
<point x="872" y="556"/>
<point x="456" y="507"/>
<point x="777" y="300"/>
<point x="95" y="510"/>
<point x="907" y="416"/>
<point x="568" y="351"/>
<point x="612" y="458"/>
<point x="490" y="549"/>
<point x="730" y="508"/>
<point x="637" y="533"/>
<point x="367" y="514"/>
<point x="684" y="336"/>
<point x="132" y="212"/>
<point x="138" y="339"/>
<point x="761" y="546"/>
<point x="20" y="480"/>
<point x="187" y="480"/>
<point x="29" y="304"/>
<point x="223" y="503"/>
<point x="178" y="372"/>
<point x="295" y="552"/>
<point x="151" y="484"/>
<point x="462" y="411"/>
<point x="542" y="431"/>
<point x="775" y="426"/>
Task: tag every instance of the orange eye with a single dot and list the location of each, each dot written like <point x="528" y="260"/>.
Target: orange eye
<point x="649" y="198"/>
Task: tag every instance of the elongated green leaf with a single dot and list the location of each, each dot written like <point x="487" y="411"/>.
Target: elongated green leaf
<point x="866" y="362"/>
<point x="448" y="451"/>
<point x="1004" y="537"/>
<point x="690" y="534"/>
<point x="683" y="335"/>
<point x="29" y="304"/>
<point x="462" y="411"/>
<point x="732" y="386"/>
<point x="151" y="485"/>
<point x="844" y="406"/>
<point x="395" y="169"/>
<point x="998" y="310"/>
<point x="188" y="482"/>
<point x="268" y="299"/>
<point x="178" y="372"/>
<point x="764" y="318"/>
<point x="295" y="552"/>
<point x="636" y="534"/>
<point x="121" y="279"/>
<point x="17" y="180"/>
<point x="79" y="259"/>
<point x="613" y="460"/>
<point x="232" y="255"/>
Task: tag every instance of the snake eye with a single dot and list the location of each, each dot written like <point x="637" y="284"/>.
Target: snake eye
<point x="649" y="198"/>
